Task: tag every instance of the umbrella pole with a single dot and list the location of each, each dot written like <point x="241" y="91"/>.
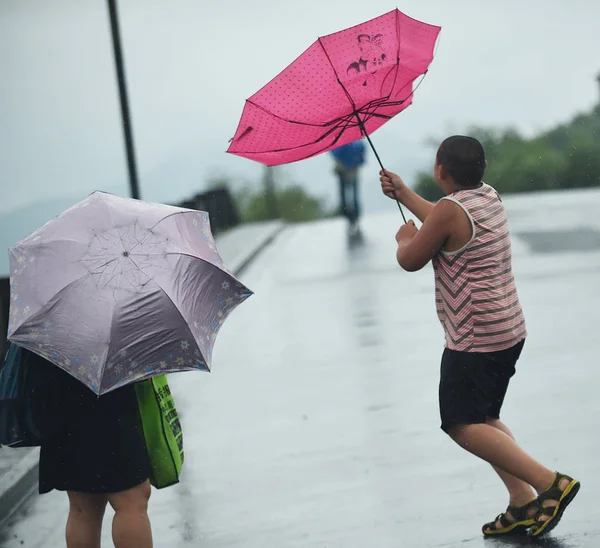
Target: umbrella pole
<point x="364" y="131"/>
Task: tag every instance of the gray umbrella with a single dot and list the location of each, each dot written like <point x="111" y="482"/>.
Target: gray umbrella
<point x="116" y="290"/>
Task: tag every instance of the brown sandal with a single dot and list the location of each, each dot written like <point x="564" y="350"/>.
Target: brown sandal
<point x="554" y="513"/>
<point x="521" y="524"/>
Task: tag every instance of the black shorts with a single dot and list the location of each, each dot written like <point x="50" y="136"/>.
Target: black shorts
<point x="473" y="384"/>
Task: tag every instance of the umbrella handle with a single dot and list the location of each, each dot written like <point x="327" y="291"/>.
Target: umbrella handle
<point x="399" y="207"/>
<point x="364" y="131"/>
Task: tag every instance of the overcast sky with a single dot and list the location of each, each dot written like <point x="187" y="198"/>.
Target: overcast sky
<point x="192" y="63"/>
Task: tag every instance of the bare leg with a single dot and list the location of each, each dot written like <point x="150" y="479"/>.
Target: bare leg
<point x="84" y="525"/>
<point x="131" y="526"/>
<point x="520" y="492"/>
<point x="500" y="450"/>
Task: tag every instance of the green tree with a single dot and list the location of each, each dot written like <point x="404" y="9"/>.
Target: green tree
<point x="428" y="188"/>
<point x="567" y="156"/>
<point x="294" y="204"/>
<point x="583" y="167"/>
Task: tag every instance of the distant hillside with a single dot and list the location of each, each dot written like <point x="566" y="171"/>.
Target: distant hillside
<point x="567" y="156"/>
<point x="17" y="224"/>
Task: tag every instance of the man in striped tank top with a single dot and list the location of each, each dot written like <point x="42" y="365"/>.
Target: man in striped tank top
<point x="466" y="237"/>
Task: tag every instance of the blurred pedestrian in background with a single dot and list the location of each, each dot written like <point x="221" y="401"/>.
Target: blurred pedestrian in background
<point x="348" y="159"/>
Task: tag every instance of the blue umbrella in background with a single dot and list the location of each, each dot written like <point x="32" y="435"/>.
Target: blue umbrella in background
<point x="351" y="155"/>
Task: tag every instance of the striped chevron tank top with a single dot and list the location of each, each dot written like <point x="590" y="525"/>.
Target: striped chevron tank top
<point x="475" y="293"/>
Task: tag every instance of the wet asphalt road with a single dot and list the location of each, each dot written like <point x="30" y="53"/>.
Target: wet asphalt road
<point x="319" y="425"/>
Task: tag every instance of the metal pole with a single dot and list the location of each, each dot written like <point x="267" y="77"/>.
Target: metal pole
<point x="114" y="24"/>
<point x="270" y="194"/>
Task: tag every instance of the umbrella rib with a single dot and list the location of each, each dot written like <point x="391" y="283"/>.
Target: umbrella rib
<point x="335" y="122"/>
<point x="114" y="275"/>
<point x="418" y="85"/>
<point x="309" y="124"/>
<point x="157" y="223"/>
<point x="120" y="276"/>
<point x="101" y="268"/>
<point x="207" y="261"/>
<point x="185" y="322"/>
<point x="398" y="50"/>
<point x="373" y="114"/>
<point x="112" y="220"/>
<point x="326" y="147"/>
<point x="105" y="360"/>
<point x="289" y="120"/>
<point x="345" y="121"/>
<point x="361" y="123"/>
<point x="348" y="96"/>
<point x="176" y="307"/>
<point x="83" y="259"/>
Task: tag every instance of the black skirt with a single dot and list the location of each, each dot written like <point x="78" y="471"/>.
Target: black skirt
<point x="99" y="445"/>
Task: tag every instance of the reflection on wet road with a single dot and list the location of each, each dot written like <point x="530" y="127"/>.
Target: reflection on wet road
<point x="319" y="425"/>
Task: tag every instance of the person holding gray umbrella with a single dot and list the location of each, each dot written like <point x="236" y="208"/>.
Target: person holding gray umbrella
<point x="112" y="293"/>
<point x="99" y="457"/>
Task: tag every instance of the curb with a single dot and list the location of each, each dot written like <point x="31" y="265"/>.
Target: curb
<point x="18" y="483"/>
<point x="22" y="479"/>
<point x="243" y="260"/>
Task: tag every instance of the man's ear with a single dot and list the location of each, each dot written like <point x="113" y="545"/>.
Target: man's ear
<point x="443" y="172"/>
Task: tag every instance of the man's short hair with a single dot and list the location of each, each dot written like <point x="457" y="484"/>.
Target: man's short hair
<point x="464" y="159"/>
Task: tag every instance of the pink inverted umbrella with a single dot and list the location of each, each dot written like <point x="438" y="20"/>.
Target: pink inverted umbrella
<point x="343" y="87"/>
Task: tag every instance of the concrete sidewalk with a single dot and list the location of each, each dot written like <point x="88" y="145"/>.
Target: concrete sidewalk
<point x="19" y="467"/>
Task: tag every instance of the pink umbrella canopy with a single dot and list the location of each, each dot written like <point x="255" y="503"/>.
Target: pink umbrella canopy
<point x="343" y="87"/>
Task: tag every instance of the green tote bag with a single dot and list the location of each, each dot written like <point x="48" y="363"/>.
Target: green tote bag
<point x="162" y="430"/>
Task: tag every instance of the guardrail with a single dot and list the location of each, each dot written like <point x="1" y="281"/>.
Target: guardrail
<point x="4" y="306"/>
<point x="219" y="205"/>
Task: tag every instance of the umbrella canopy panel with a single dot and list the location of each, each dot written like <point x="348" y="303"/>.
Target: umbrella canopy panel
<point x="117" y="290"/>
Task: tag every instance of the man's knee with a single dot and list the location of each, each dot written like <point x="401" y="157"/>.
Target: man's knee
<point x="133" y="500"/>
<point x="456" y="432"/>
